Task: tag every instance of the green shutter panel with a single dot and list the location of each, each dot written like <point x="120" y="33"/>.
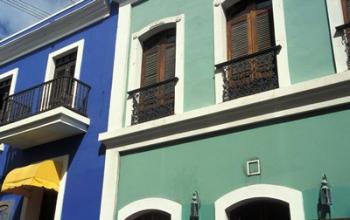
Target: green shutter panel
<point x="264" y="31"/>
<point x="239" y="39"/>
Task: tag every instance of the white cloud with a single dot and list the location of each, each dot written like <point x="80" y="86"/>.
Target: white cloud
<point x="13" y="20"/>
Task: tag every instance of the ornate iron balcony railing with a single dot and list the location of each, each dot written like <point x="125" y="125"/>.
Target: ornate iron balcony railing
<point x="344" y="31"/>
<point x="249" y="74"/>
<point x="153" y="102"/>
<point x="64" y="91"/>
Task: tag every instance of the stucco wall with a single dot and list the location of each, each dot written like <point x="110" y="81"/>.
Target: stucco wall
<point x="293" y="153"/>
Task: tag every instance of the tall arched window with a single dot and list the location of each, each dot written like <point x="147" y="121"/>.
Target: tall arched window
<point x="155" y="97"/>
<point x="251" y="65"/>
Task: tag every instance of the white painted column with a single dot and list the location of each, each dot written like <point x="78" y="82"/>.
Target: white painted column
<point x="120" y="69"/>
<point x="110" y="185"/>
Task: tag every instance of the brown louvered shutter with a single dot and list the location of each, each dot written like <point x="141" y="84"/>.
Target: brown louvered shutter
<point x="239" y="42"/>
<point x="169" y="69"/>
<point x="264" y="30"/>
<point x="150" y="66"/>
<point x="346" y="10"/>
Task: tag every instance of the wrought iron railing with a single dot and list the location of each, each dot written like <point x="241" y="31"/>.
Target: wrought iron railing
<point x="153" y="102"/>
<point x="344" y="31"/>
<point x="249" y="74"/>
<point x="64" y="91"/>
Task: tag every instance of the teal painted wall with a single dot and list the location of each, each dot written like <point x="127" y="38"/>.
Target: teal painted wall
<point x="309" y="45"/>
<point x="294" y="154"/>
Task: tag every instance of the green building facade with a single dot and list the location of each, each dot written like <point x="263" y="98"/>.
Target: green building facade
<point x="190" y="112"/>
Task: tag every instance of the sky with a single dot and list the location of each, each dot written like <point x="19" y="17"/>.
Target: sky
<point x="16" y="15"/>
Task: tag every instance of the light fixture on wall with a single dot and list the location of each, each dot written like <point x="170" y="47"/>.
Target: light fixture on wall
<point x="195" y="205"/>
<point x="324" y="200"/>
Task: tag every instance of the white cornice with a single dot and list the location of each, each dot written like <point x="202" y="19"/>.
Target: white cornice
<point x="68" y="24"/>
<point x="299" y="98"/>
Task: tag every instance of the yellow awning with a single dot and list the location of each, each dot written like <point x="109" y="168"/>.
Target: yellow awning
<point x="45" y="174"/>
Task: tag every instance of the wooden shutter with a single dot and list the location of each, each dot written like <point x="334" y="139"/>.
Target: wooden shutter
<point x="264" y="38"/>
<point x="150" y="66"/>
<point x="346" y="10"/>
<point x="239" y="38"/>
<point x="159" y="58"/>
<point x="169" y="67"/>
<point x="249" y="29"/>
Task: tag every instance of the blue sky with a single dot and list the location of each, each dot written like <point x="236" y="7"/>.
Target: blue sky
<point x="16" y="15"/>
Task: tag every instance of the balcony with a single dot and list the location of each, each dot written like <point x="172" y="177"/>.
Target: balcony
<point x="153" y="102"/>
<point x="50" y="111"/>
<point x="249" y="74"/>
<point x="344" y="31"/>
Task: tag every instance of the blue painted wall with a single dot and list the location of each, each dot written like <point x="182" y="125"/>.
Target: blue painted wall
<point x="85" y="172"/>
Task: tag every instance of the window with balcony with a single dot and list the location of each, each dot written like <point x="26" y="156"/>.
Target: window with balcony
<point x="155" y="97"/>
<point x="156" y="70"/>
<point x="249" y="44"/>
<point x="251" y="67"/>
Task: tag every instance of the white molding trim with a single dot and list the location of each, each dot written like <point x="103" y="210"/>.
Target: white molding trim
<point x="49" y="126"/>
<point x="120" y="69"/>
<point x="335" y="18"/>
<point x="165" y="205"/>
<point x="299" y="98"/>
<point x="135" y="64"/>
<point x="220" y="46"/>
<point x="50" y="68"/>
<point x="88" y="14"/>
<point x="110" y="185"/>
<point x="291" y="196"/>
<point x="13" y="74"/>
<point x="61" y="192"/>
<point x="40" y="22"/>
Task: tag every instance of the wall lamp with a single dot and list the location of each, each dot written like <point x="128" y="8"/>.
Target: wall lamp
<point x="195" y="205"/>
<point x="324" y="200"/>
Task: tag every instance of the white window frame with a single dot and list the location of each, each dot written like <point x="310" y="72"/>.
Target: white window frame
<point x="13" y="75"/>
<point x="220" y="39"/>
<point x="293" y="197"/>
<point x="10" y="74"/>
<point x="135" y="65"/>
<point x="336" y="18"/>
<point x="147" y="204"/>
<point x="50" y="67"/>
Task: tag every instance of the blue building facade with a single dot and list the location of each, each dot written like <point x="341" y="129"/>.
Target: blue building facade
<point x="57" y="81"/>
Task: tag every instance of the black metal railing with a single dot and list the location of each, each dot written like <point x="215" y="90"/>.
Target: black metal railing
<point x="153" y="102"/>
<point x="249" y="74"/>
<point x="344" y="31"/>
<point x="64" y="91"/>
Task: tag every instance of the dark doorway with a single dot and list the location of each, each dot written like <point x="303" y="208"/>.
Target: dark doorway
<point x="261" y="209"/>
<point x="48" y="205"/>
<point x="152" y="215"/>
